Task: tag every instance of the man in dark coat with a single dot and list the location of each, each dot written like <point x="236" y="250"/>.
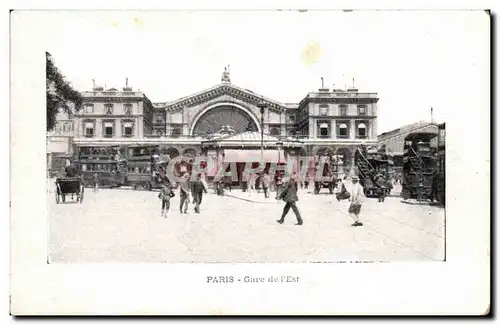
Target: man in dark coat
<point x="184" y="193"/>
<point x="381" y="186"/>
<point x="197" y="189"/>
<point x="289" y="195"/>
<point x="70" y="170"/>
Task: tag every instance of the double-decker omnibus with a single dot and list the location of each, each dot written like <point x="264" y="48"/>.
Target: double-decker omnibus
<point x="106" y="161"/>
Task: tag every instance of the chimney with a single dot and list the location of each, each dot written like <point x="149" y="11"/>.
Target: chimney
<point x="126" y="88"/>
<point x="323" y="89"/>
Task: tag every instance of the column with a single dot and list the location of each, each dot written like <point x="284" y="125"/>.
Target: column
<point x="311" y="128"/>
<point x="140" y="127"/>
<point x="352" y="132"/>
<point x="118" y="128"/>
<point x="98" y="129"/>
<point x="283" y="123"/>
<point x="333" y="127"/>
<point x="374" y="128"/>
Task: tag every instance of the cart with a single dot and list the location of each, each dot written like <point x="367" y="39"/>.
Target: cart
<point x="69" y="186"/>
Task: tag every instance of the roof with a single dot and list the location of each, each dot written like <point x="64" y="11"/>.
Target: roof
<point x="406" y="129"/>
<point x="245" y="136"/>
<point x="205" y="93"/>
<point x="425" y="136"/>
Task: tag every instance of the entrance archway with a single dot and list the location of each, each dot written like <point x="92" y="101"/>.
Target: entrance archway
<point x="224" y="116"/>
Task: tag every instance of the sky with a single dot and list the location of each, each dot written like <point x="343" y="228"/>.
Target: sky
<point x="412" y="59"/>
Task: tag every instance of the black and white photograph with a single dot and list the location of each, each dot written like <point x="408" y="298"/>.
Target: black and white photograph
<point x="308" y="138"/>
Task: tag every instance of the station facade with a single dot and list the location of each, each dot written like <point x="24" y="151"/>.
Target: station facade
<point x="228" y="122"/>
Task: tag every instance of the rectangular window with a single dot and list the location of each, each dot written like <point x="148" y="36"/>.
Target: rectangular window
<point x="361" y="110"/>
<point x="128" y="130"/>
<point x="342" y="130"/>
<point x="89" y="109"/>
<point x="292" y="118"/>
<point x="362" y="130"/>
<point x="323" y="130"/>
<point x="89" y="129"/>
<point x="108" y="130"/>
<point x="323" y="110"/>
<point x="343" y="110"/>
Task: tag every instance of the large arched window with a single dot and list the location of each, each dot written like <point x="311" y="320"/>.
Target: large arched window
<point x="224" y="117"/>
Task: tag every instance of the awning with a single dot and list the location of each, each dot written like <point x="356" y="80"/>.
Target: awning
<point x="323" y="125"/>
<point x="343" y="126"/>
<point x="128" y="124"/>
<point x="362" y="126"/>
<point x="108" y="125"/>
<point x="270" y="156"/>
<point x="89" y="125"/>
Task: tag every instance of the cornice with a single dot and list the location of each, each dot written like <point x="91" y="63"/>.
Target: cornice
<point x="112" y="99"/>
<point x="337" y="100"/>
<point x="221" y="91"/>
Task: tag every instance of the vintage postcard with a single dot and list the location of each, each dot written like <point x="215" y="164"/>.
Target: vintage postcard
<point x="266" y="154"/>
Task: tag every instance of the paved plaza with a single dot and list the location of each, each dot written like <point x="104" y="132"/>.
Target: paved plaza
<point x="126" y="226"/>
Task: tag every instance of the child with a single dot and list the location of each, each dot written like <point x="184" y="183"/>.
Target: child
<point x="165" y="195"/>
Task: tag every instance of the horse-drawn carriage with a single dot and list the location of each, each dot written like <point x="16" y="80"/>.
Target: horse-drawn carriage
<point x="69" y="186"/>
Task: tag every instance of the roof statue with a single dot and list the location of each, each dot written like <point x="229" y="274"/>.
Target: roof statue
<point x="225" y="76"/>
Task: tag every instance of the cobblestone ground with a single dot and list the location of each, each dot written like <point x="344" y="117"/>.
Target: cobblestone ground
<point x="126" y="226"/>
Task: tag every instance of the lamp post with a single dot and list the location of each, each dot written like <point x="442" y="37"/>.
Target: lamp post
<point x="262" y="106"/>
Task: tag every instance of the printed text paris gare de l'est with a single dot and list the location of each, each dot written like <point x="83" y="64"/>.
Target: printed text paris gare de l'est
<point x="250" y="279"/>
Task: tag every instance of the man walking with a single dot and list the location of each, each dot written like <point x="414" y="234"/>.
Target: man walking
<point x="165" y="195"/>
<point x="197" y="190"/>
<point x="184" y="193"/>
<point x="380" y="183"/>
<point x="289" y="195"/>
<point x="95" y="181"/>
<point x="356" y="201"/>
<point x="265" y="181"/>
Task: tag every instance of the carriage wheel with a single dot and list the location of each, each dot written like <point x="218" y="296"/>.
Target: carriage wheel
<point x="58" y="198"/>
<point x="81" y="197"/>
<point x="64" y="198"/>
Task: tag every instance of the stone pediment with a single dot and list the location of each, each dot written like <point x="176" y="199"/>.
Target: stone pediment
<point x="221" y="90"/>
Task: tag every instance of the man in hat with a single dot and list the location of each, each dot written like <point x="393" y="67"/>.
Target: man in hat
<point x="381" y="186"/>
<point x="289" y="195"/>
<point x="356" y="201"/>
<point x="184" y="192"/>
<point x="197" y="189"/>
<point x="265" y="181"/>
<point x="165" y="195"/>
